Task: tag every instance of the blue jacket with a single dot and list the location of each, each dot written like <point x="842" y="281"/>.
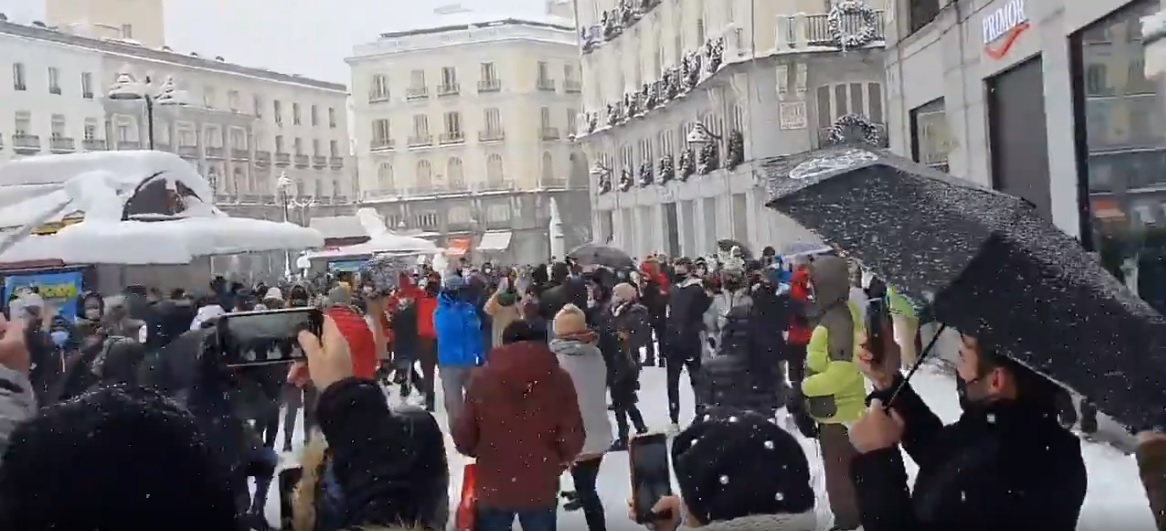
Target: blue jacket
<point x="459" y="333"/>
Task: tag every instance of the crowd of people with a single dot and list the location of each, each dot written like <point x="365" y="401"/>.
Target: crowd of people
<point x="112" y="421"/>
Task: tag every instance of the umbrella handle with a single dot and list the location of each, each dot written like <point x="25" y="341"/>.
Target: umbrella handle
<point x="914" y="368"/>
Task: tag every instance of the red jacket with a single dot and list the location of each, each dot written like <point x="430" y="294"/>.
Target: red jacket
<point x="799" y="293"/>
<point x="521" y="421"/>
<point x="426" y="305"/>
<point x="361" y="342"/>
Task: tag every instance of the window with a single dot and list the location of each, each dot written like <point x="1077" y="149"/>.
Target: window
<point x="296" y="114"/>
<point x="18" y="78"/>
<point x="921" y="12"/>
<point x="54" y="80"/>
<point x="186" y="136"/>
<point x="700" y="35"/>
<point x="930" y="137"/>
<point x="448" y="76"/>
<point x="572" y="121"/>
<point x="209" y="97"/>
<point x="233" y="100"/>
<point x="381" y="132"/>
<point x="385" y="177"/>
<point x="836" y="101"/>
<point x="214" y="137"/>
<point x="489" y="73"/>
<point x="124" y="130"/>
<point x="544" y="73"/>
<point x="298" y="145"/>
<point x="424" y="177"/>
<point x="58" y="126"/>
<point x="331" y="117"/>
<point x="548" y="168"/>
<point x="455" y="173"/>
<point x="493" y="118"/>
<point x="238" y="138"/>
<point x="316" y="147"/>
<point x="90" y="131"/>
<point x="495" y="172"/>
<point x="87" y="85"/>
<point x="127" y="31"/>
<point x="453" y="123"/>
<point x="277" y="111"/>
<point x="420" y="125"/>
<point x="544" y="117"/>
<point x="379" y="88"/>
<point x="314" y="115"/>
<point x="333" y="148"/>
<point x="1096" y="83"/>
<point x="257" y="105"/>
<point x="279" y="144"/>
<point x="568" y="73"/>
<point x="417" y="79"/>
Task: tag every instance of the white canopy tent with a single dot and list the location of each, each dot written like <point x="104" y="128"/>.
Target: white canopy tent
<point x="381" y="241"/>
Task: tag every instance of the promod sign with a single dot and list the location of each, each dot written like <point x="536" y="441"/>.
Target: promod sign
<point x="1002" y="27"/>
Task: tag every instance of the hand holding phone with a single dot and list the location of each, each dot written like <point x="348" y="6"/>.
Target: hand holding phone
<point x="651" y="477"/>
<point x="668" y="509"/>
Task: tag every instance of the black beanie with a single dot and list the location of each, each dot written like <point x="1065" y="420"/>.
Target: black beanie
<point x="524" y="330"/>
<point x="113" y="459"/>
<point x="732" y="464"/>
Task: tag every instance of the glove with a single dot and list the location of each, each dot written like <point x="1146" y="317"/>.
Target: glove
<point x="796" y="405"/>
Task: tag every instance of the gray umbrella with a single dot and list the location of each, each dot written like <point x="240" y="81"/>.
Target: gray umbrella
<point x="989" y="265"/>
<point x="603" y="255"/>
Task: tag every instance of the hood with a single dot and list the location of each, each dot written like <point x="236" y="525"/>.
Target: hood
<point x="830" y="276"/>
<point x="451" y="301"/>
<point x="520" y="367"/>
<point x="576" y="346"/>
<point x="206" y="313"/>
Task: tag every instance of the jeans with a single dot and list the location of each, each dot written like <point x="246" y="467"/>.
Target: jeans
<point x="531" y="519"/>
<point x="622" y="415"/>
<point x="585" y="474"/>
<point x="673" y="368"/>
<point x="454" y="381"/>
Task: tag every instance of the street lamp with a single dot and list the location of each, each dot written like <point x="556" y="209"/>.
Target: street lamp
<point x="292" y="201"/>
<point x="126" y="88"/>
<point x="700" y="135"/>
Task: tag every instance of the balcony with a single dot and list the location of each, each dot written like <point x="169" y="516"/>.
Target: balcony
<point x="573" y="86"/>
<point x="452" y="137"/>
<point x="491" y="135"/>
<point x="546" y="85"/>
<point x="319" y="162"/>
<point x="449" y="89"/>
<point x="240" y="154"/>
<point x="125" y="145"/>
<point x="302" y="161"/>
<point x="805" y="30"/>
<point x="421" y="141"/>
<point x="378" y="97"/>
<point x="549" y="133"/>
<point x="93" y="144"/>
<point x="553" y="182"/>
<point x="416" y="93"/>
<point x="282" y="159"/>
<point x="489" y="85"/>
<point x="382" y="144"/>
<point x="62" y="144"/>
<point x="26" y="144"/>
<point x="335" y="163"/>
<point x="853" y="136"/>
<point x="263" y="158"/>
<point x="495" y="186"/>
<point x="184" y="151"/>
<point x="215" y="152"/>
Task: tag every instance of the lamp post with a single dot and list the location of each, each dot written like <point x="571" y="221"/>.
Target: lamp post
<point x="290" y="201"/>
<point x="125" y="88"/>
<point x="700" y="136"/>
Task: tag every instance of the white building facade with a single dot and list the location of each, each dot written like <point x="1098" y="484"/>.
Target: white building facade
<point x="242" y="127"/>
<point x="464" y="130"/>
<point x="1045" y="100"/>
<point x="50" y="99"/>
<point x="764" y="79"/>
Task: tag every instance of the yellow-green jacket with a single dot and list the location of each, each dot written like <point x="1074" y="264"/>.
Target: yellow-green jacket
<point x="834" y="388"/>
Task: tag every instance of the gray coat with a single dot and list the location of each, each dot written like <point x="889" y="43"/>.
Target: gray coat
<point x="17" y="403"/>
<point x="588" y="371"/>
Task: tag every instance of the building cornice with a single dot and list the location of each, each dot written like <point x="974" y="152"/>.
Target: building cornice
<point x="507" y="30"/>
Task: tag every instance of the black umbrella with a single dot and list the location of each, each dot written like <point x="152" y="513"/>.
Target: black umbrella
<point x="603" y="255"/>
<point x="991" y="266"/>
<point x="727" y="245"/>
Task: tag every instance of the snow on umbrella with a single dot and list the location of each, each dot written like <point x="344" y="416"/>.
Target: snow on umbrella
<point x="601" y="255"/>
<point x="991" y="266"/>
<point x="803" y="249"/>
<point x="727" y="245"/>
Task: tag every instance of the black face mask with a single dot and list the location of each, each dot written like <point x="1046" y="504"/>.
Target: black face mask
<point x="961" y="390"/>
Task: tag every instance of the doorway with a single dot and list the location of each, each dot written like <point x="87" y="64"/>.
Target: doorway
<point x="671" y="230"/>
<point x="1017" y="136"/>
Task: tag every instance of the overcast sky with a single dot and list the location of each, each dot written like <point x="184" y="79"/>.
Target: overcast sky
<point x="308" y="37"/>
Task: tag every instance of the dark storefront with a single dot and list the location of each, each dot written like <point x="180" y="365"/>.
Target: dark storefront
<point x="1017" y="138"/>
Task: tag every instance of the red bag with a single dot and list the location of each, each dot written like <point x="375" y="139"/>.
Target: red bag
<point x="467" y="508"/>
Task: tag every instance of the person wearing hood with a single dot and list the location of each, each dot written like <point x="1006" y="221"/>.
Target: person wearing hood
<point x="734" y="292"/>
<point x="799" y="330"/>
<point x="208" y="310"/>
<point x="523" y="425"/>
<point x="401" y="320"/>
<point x="503" y="308"/>
<point x="687" y="303"/>
<point x="459" y="344"/>
<point x="578" y="354"/>
<point x="627" y="322"/>
<point x="834" y="391"/>
<point x="169" y="319"/>
<point x="737" y="471"/>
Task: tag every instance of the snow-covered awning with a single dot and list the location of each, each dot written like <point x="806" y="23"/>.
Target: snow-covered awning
<point x="495" y="241"/>
<point x="384" y="243"/>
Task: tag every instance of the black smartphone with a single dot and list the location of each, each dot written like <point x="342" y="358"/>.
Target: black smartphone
<point x="651" y="475"/>
<point x="288" y="478"/>
<point x="259" y="338"/>
<point x="878" y="315"/>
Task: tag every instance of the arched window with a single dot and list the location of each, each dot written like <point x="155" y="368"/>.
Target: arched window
<point x="495" y="171"/>
<point x="424" y="178"/>
<point x="548" y="169"/>
<point x="385" y="177"/>
<point x="237" y="178"/>
<point x="455" y="174"/>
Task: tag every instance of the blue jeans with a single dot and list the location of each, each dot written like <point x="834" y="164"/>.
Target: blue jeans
<point x="531" y="519"/>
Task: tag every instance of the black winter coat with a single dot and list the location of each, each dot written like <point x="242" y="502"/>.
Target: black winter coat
<point x="655" y="300"/>
<point x="1003" y="466"/>
<point x="687" y="302"/>
<point x="741" y="376"/>
<point x="571" y="291"/>
<point x="622" y="368"/>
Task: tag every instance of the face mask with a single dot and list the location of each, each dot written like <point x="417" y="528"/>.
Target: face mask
<point x="59" y="337"/>
<point x="92" y="314"/>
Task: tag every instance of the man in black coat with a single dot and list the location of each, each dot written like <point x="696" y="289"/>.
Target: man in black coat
<point x="564" y="290"/>
<point x="1007" y="464"/>
<point x="687" y="302"/>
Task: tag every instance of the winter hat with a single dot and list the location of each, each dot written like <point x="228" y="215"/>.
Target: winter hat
<point x="523" y="330"/>
<point x="624" y="292"/>
<point x="569" y="321"/>
<point x="273" y="293"/>
<point x="119" y="458"/>
<point x="732" y="463"/>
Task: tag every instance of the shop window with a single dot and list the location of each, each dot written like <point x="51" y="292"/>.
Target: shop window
<point x="930" y="135"/>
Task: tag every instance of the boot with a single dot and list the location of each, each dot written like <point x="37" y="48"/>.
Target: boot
<point x="620" y="445"/>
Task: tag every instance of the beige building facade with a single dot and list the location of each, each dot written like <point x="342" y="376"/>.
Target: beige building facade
<point x="140" y="21"/>
<point x="464" y="129"/>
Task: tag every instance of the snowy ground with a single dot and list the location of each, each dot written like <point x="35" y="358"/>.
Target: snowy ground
<point x="1115" y="499"/>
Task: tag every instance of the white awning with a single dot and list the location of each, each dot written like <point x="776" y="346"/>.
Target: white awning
<point x="495" y="241"/>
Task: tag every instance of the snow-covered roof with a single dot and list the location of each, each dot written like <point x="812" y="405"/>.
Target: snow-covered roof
<point x="338" y="226"/>
<point x="129" y="168"/>
<point x="385" y="243"/>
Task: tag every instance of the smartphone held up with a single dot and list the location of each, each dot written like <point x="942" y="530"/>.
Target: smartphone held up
<point x="651" y="475"/>
<point x="266" y="337"/>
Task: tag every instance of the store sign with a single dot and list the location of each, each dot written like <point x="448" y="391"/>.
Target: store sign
<point x="793" y="115"/>
<point x="1002" y="27"/>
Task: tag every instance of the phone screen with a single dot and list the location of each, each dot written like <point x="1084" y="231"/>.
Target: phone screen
<point x="288" y="478"/>
<point x="256" y="338"/>
<point x="651" y="474"/>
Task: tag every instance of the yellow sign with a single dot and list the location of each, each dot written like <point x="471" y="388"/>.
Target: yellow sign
<point x="53" y="226"/>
